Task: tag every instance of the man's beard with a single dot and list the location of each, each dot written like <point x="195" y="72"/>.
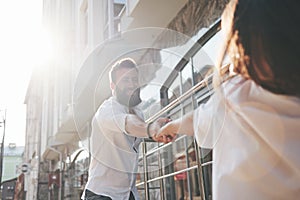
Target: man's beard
<point x="129" y="101"/>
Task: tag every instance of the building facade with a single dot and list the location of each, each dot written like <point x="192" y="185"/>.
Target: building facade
<point x="64" y="93"/>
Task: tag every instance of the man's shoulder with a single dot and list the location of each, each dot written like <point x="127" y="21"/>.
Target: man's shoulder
<point x="109" y="99"/>
<point x="110" y="104"/>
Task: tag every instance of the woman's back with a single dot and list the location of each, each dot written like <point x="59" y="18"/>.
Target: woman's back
<point x="256" y="143"/>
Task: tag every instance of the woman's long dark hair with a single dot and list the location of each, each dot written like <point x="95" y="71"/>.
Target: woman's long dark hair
<point x="265" y="44"/>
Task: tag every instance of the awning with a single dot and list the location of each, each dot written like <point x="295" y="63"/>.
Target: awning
<point x="154" y="13"/>
<point x="55" y="149"/>
<point x="195" y="15"/>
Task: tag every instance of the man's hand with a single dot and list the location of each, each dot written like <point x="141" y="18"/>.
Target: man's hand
<point x="155" y="126"/>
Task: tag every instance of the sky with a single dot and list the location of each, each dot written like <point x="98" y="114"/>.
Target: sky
<point x="23" y="47"/>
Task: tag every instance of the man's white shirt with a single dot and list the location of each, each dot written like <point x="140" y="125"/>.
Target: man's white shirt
<point x="114" y="153"/>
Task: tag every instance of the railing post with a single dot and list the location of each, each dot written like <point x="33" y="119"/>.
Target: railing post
<point x="145" y="163"/>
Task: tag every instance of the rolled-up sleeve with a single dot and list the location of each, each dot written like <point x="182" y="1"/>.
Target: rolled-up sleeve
<point x="111" y="117"/>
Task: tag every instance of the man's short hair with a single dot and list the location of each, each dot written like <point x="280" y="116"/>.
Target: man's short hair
<point x="128" y="63"/>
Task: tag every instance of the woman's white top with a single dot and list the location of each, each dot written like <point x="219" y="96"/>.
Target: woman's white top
<point x="255" y="137"/>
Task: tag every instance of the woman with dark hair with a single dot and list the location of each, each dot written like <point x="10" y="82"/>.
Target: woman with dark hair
<point x="252" y="121"/>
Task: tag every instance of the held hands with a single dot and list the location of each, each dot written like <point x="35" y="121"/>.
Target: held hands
<point x="167" y="133"/>
<point x="154" y="127"/>
<point x="163" y="130"/>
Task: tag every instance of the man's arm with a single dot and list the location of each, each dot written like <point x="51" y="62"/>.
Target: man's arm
<point x="137" y="127"/>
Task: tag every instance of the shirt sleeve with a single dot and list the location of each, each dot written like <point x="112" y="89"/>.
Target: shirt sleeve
<point x="112" y="117"/>
<point x="208" y="121"/>
<point x="210" y="117"/>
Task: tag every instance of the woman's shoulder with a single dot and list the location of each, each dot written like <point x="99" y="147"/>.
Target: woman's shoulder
<point x="236" y="89"/>
<point x="241" y="91"/>
<point x="245" y="89"/>
<point x="237" y="84"/>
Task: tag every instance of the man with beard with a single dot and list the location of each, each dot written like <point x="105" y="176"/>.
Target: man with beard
<point x="117" y="130"/>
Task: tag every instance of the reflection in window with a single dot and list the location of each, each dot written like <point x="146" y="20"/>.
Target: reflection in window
<point x="150" y="100"/>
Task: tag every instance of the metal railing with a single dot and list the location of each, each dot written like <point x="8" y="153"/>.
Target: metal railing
<point x="163" y="112"/>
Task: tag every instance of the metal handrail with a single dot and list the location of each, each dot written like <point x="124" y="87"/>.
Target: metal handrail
<point x="200" y="85"/>
<point x="174" y="173"/>
<point x="181" y="98"/>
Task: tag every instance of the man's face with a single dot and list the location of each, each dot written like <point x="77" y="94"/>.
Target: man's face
<point x="126" y="88"/>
